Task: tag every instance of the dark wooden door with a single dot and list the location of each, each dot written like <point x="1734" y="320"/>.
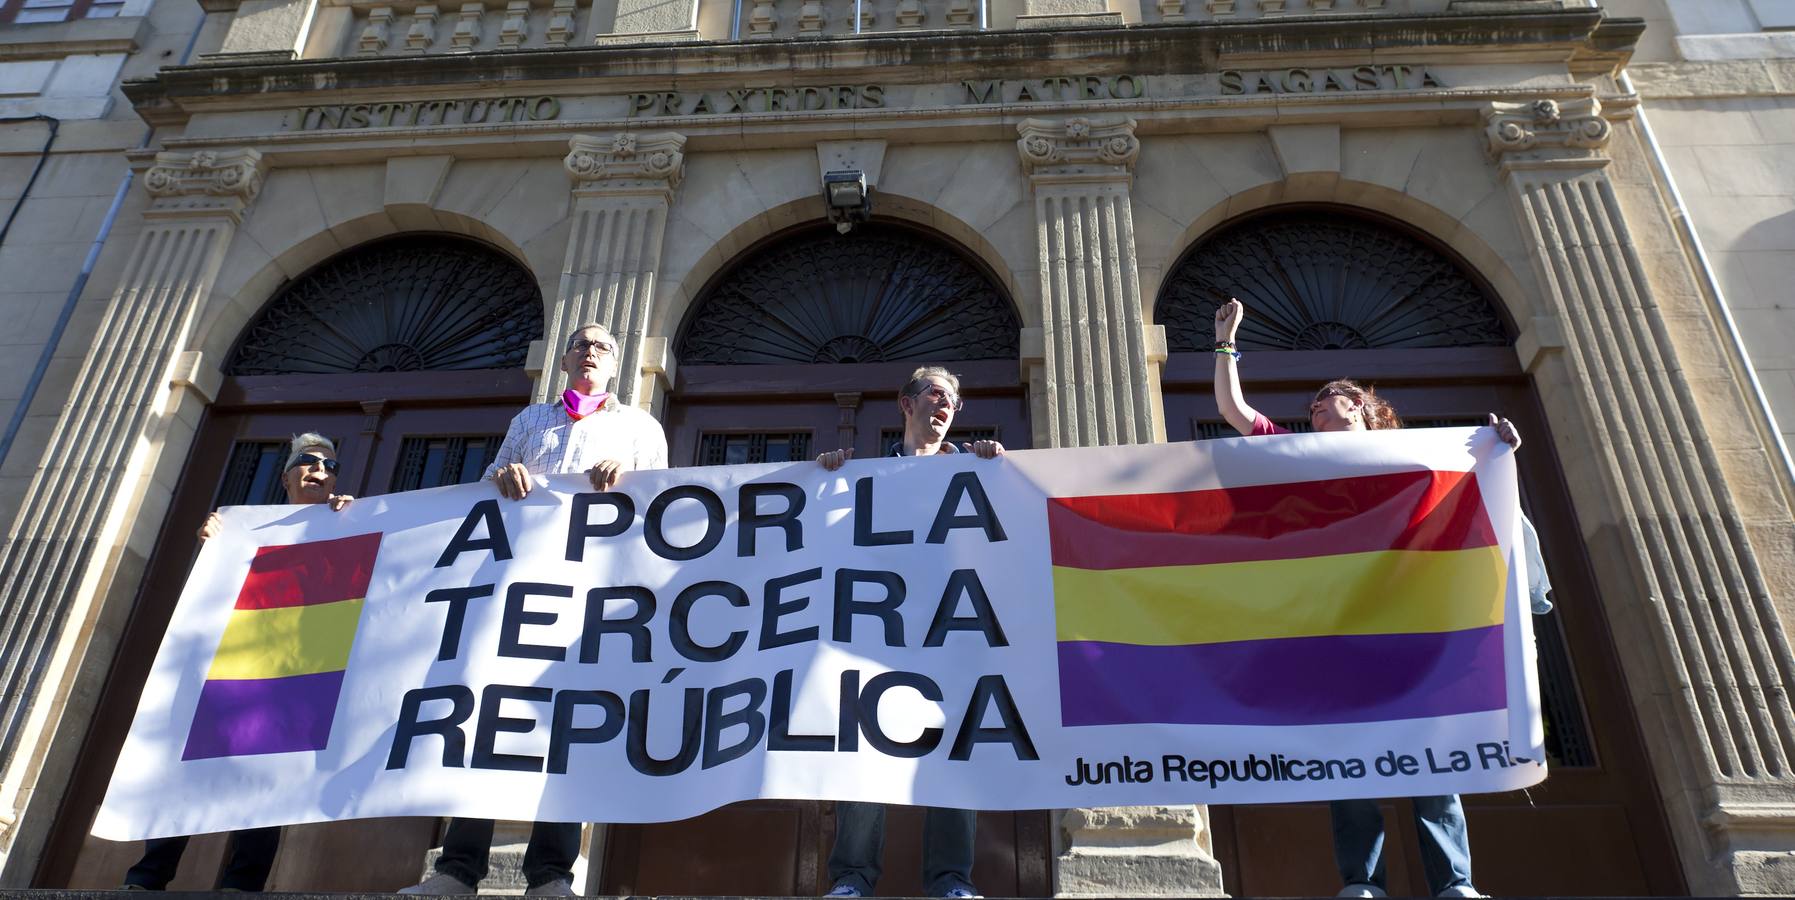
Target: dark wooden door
<point x="769" y="413"/>
<point x="1596" y="825"/>
<point x="393" y="432"/>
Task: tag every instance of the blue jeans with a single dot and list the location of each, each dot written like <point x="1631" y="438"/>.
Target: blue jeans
<point x="947" y="836"/>
<point x="1445" y="842"/>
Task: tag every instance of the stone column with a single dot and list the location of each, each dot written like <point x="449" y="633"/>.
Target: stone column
<point x="623" y="186"/>
<point x="1089" y="368"/>
<point x="1094" y="366"/>
<point x="66" y="548"/>
<point x="1698" y="633"/>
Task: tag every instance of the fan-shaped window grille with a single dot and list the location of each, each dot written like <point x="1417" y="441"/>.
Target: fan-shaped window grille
<point x="879" y="293"/>
<point x="403" y="305"/>
<point x="1326" y="280"/>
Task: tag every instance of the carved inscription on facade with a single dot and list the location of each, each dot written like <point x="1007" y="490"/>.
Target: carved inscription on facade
<point x="411" y="114"/>
<point x="1070" y="87"/>
<point x="1321" y="81"/>
<point x="758" y="100"/>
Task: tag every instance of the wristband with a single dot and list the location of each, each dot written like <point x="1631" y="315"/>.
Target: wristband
<point x="1227" y="352"/>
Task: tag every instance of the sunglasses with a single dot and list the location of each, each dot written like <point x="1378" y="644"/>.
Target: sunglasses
<point x="938" y="393"/>
<point x="308" y="460"/>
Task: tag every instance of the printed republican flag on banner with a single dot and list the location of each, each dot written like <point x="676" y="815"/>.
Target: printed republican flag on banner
<point x="1249" y="605"/>
<point x="274" y="682"/>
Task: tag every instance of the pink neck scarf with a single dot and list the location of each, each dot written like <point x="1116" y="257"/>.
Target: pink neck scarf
<point x="579" y="406"/>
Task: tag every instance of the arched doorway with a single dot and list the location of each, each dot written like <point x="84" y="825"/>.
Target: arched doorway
<point x="1333" y="292"/>
<point x="409" y="353"/>
<point x="797" y="347"/>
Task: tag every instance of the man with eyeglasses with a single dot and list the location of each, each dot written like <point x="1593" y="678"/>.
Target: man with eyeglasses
<point x="929" y="401"/>
<point x="585" y="430"/>
<point x="310" y="476"/>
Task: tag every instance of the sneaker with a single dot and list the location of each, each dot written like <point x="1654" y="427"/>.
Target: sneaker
<point x="961" y="893"/>
<point x="557" y="888"/>
<point x="1361" y="890"/>
<point x="844" y="889"/>
<point x="440" y="884"/>
<point x="1460" y="890"/>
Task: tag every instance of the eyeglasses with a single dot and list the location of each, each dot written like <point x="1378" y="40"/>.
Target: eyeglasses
<point x="308" y="460"/>
<point x="1322" y="398"/>
<point x="940" y="394"/>
<point x="604" y="348"/>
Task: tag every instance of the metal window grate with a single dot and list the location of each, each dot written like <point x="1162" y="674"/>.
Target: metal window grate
<point x="252" y="476"/>
<point x="427" y="461"/>
<point x="753" y="447"/>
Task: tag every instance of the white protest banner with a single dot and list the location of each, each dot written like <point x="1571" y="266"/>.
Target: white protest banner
<point x="1256" y="620"/>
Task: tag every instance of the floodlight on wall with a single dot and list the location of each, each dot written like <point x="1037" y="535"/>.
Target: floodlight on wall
<point x="848" y="198"/>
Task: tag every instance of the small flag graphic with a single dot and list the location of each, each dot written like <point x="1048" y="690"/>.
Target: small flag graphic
<point x="275" y="679"/>
<point x="1362" y="599"/>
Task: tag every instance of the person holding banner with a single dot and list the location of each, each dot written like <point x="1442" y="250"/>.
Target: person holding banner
<point x="310" y="476"/>
<point x="585" y="430"/>
<point x="1344" y="405"/>
<point x="928" y="401"/>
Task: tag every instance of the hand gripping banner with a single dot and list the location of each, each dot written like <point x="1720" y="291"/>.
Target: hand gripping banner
<point x="1297" y="617"/>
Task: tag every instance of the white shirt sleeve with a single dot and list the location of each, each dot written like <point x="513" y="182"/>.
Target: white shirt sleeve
<point x="510" y="450"/>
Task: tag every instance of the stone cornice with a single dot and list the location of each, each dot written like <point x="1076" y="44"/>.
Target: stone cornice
<point x="1078" y="147"/>
<point x="1183" y="47"/>
<point x="203" y="183"/>
<point x="626" y="161"/>
<point x="1547" y="134"/>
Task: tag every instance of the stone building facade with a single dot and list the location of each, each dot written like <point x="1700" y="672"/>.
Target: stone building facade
<point x="1455" y="199"/>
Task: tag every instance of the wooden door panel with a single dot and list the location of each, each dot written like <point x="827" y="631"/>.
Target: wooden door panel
<point x="1555" y="849"/>
<point x="757" y="848"/>
<point x="374" y="855"/>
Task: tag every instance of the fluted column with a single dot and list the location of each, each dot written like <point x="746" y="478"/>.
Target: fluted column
<point x="61" y="547"/>
<point x="1090" y="368"/>
<point x="1094" y="364"/>
<point x="1721" y="728"/>
<point x="623" y="187"/>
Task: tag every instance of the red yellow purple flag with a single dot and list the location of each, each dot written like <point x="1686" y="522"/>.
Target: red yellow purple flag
<point x="1258" y="605"/>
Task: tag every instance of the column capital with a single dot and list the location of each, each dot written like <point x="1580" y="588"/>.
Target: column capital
<point x="203" y="183"/>
<point x="1547" y="134"/>
<point x="626" y="162"/>
<point x="1078" y="148"/>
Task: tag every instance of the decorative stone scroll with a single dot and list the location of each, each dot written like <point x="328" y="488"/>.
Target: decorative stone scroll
<point x="205" y="182"/>
<point x="1546" y="132"/>
<point x="627" y="159"/>
<point x="623" y="187"/>
<point x="1078" y="147"/>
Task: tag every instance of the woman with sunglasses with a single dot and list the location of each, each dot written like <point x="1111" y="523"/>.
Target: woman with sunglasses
<point x="310" y="476"/>
<point x="1345" y="405"/>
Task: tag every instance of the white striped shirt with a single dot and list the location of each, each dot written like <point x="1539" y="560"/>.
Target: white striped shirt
<point x="549" y="442"/>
